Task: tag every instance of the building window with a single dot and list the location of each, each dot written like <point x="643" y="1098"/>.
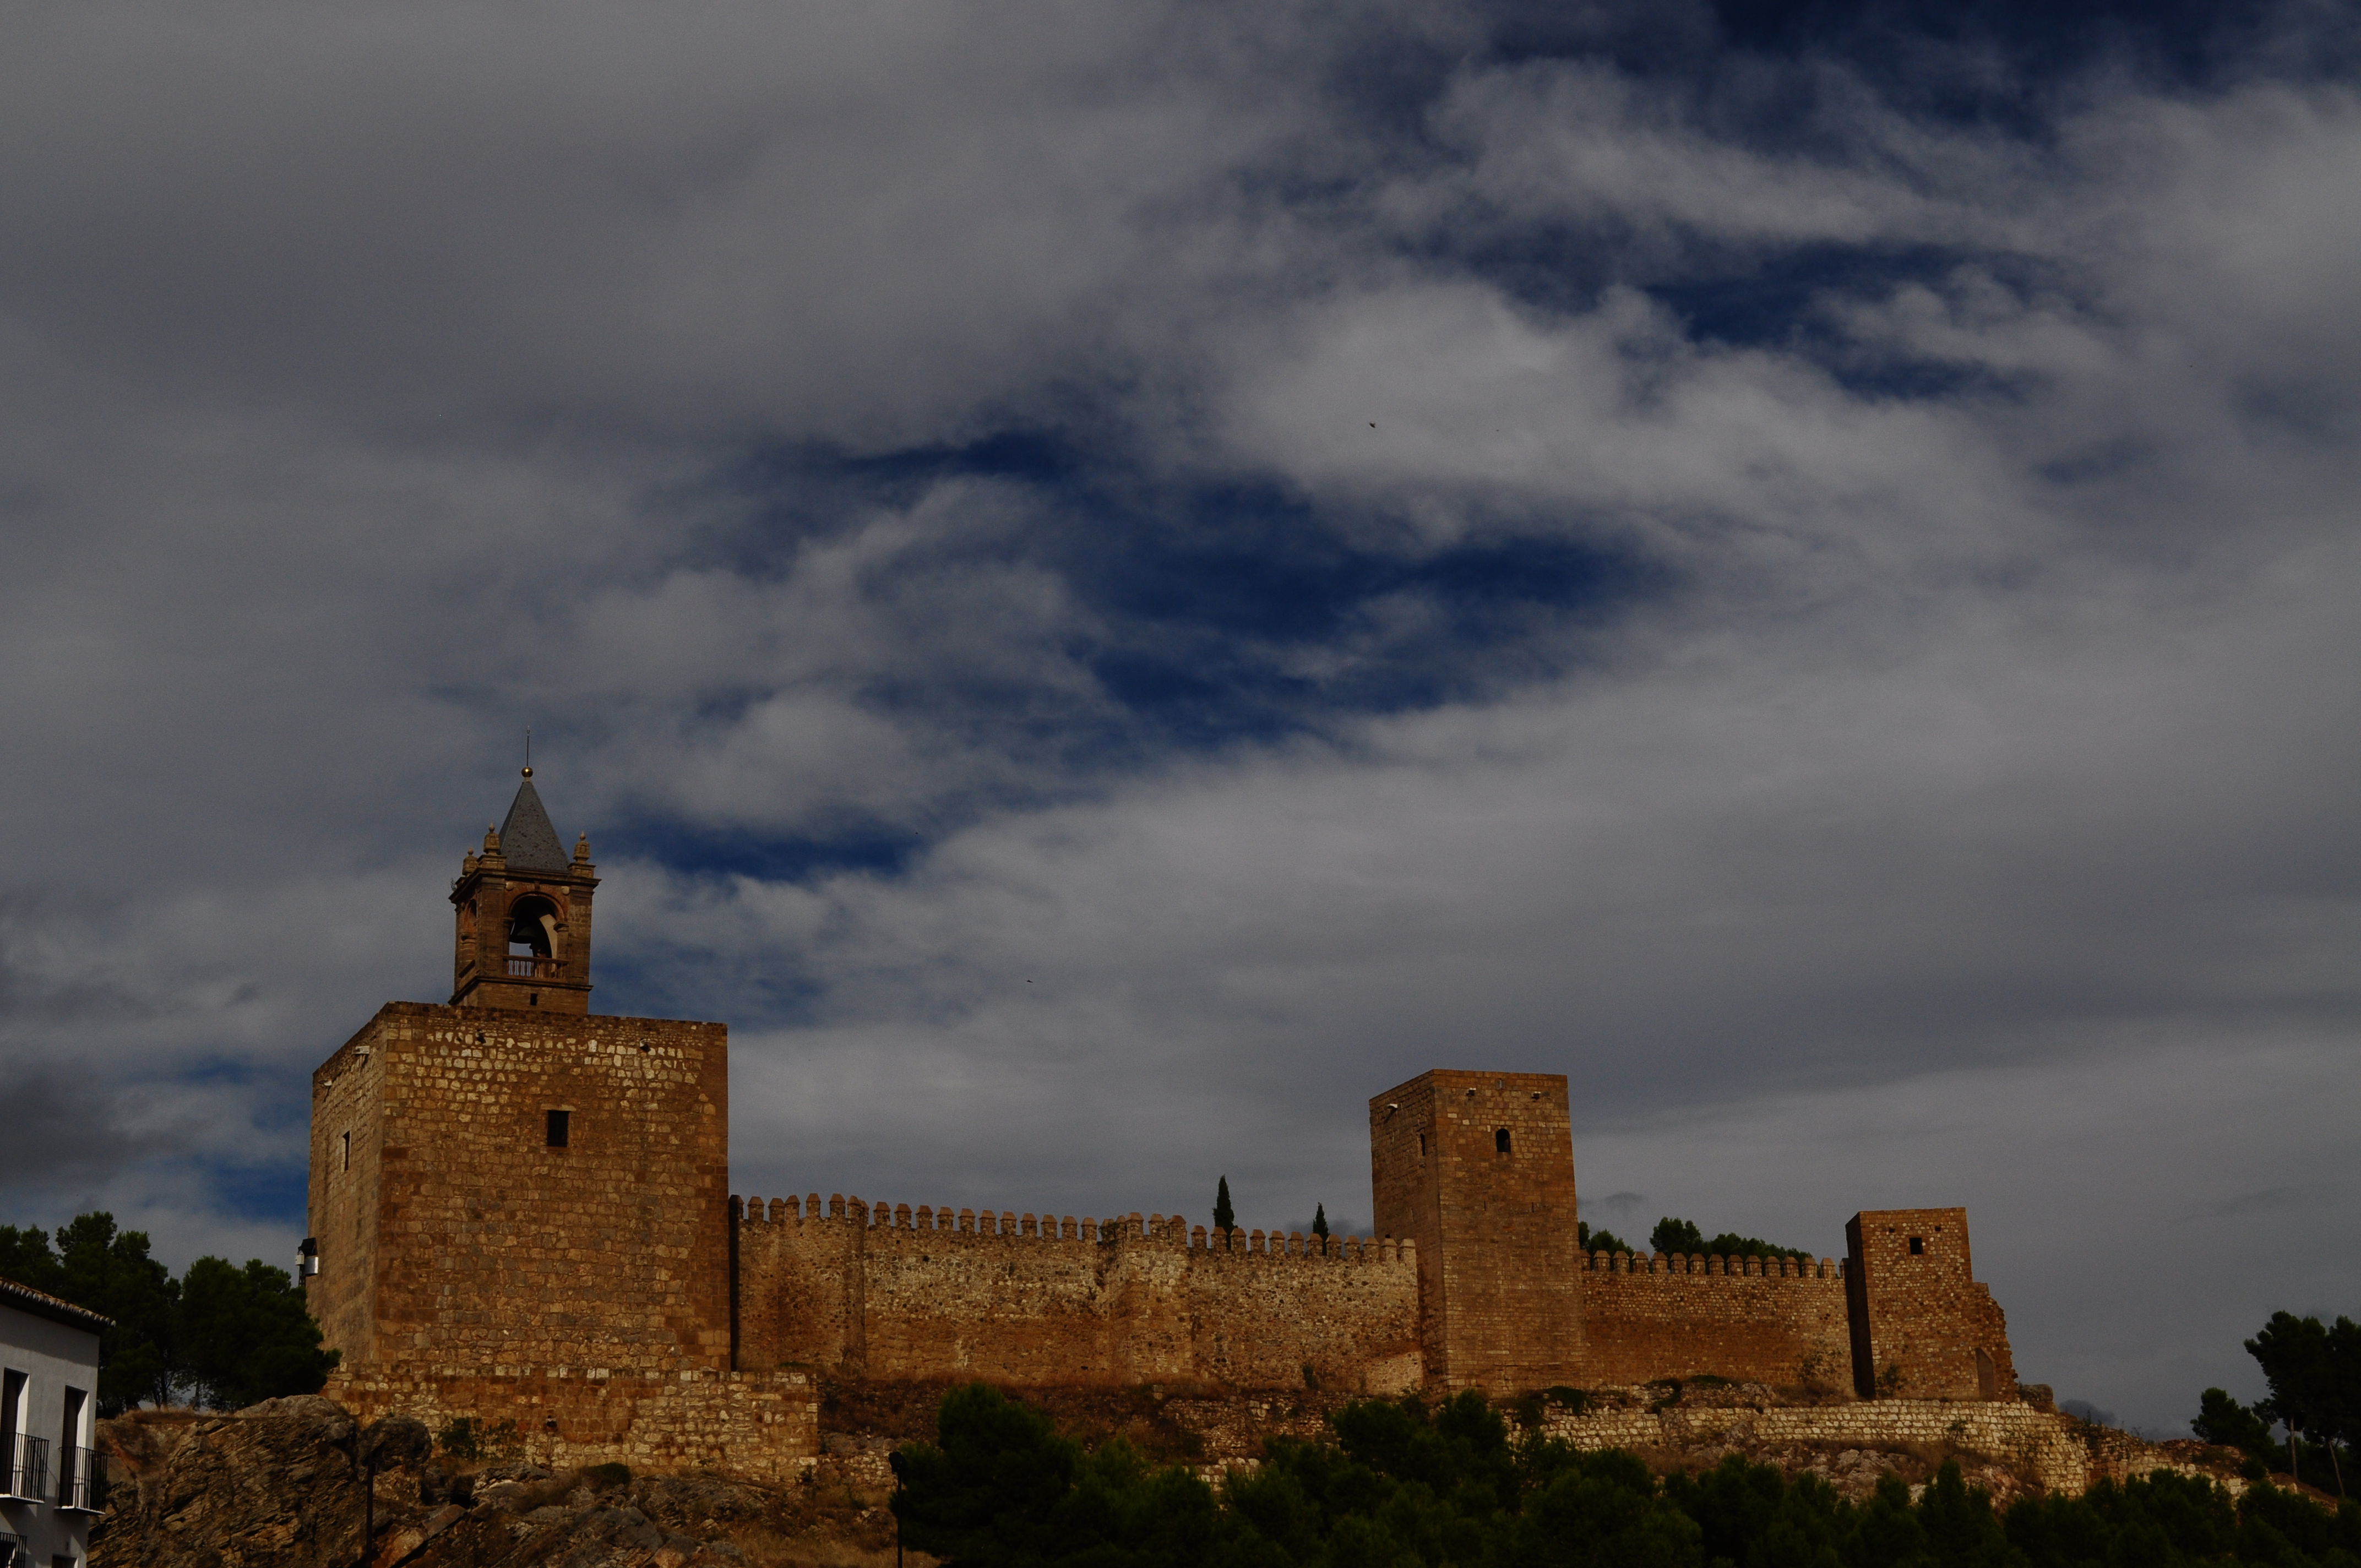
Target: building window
<point x="1422" y="1146"/>
<point x="1500" y="1141"/>
<point x="14" y="1460"/>
<point x="559" y="1128"/>
<point x="349" y="1151"/>
<point x="1917" y="1247"/>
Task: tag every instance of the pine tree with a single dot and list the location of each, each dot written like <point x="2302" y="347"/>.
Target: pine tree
<point x="1225" y="1219"/>
<point x="1319" y="1221"/>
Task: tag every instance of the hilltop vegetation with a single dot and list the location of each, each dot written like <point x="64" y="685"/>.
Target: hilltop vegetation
<point x="1402" y="1485"/>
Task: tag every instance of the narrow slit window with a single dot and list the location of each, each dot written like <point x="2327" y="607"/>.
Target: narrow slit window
<point x="1917" y="1247"/>
<point x="349" y="1151"/>
<point x="560" y="1126"/>
<point x="1422" y="1146"/>
<point x="1500" y="1141"/>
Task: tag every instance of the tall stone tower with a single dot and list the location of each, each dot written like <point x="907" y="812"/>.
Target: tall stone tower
<point x="1477" y="1168"/>
<point x="509" y="1186"/>
<point x="523" y="909"/>
<point x="1923" y="1328"/>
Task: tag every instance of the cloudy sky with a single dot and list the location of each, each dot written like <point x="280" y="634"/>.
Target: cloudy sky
<point x="1109" y="582"/>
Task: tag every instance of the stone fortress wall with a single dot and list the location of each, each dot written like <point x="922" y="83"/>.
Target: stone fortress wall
<point x="1748" y="1319"/>
<point x="887" y="1292"/>
<point x="522" y="1216"/>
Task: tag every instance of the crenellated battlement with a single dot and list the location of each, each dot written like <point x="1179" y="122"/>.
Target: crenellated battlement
<point x="1168" y="1230"/>
<point x="1716" y="1265"/>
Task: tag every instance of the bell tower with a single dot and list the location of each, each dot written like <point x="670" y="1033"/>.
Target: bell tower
<point x="523" y="909"/>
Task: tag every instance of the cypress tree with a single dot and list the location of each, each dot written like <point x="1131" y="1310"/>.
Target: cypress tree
<point x="1319" y="1221"/>
<point x="1225" y="1219"/>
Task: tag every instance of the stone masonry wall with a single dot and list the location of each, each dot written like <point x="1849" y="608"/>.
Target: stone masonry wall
<point x="483" y="1250"/>
<point x="1477" y="1168"/>
<point x="1920" y="1326"/>
<point x="344" y="1205"/>
<point x="760" y="1426"/>
<point x="1750" y="1320"/>
<point x="2055" y="1450"/>
<point x="888" y="1293"/>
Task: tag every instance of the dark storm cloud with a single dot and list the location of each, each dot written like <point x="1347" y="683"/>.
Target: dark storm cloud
<point x="1109" y="582"/>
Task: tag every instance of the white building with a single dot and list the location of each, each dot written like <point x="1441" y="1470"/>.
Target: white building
<point x="51" y="1479"/>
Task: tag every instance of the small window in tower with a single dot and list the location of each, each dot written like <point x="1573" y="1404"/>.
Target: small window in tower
<point x="1422" y="1146"/>
<point x="1917" y="1247"/>
<point x="559" y="1127"/>
<point x="1500" y="1141"/>
<point x="349" y="1151"/>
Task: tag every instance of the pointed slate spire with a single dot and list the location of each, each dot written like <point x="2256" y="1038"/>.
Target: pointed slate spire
<point x="526" y="837"/>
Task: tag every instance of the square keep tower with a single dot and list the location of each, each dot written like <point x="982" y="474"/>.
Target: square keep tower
<point x="523" y="1190"/>
<point x="1477" y="1168"/>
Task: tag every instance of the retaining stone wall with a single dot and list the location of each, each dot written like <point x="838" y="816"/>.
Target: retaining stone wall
<point x="757" y="1426"/>
<point x="2058" y="1451"/>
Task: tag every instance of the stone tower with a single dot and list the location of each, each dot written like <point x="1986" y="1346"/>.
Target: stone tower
<point x="1922" y="1326"/>
<point x="509" y="1181"/>
<point x="1477" y="1168"/>
<point x="523" y="915"/>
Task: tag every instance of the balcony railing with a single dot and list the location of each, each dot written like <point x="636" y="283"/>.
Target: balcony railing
<point x="25" y="1470"/>
<point x="14" y="1552"/>
<point x="81" y="1479"/>
<point x="529" y="968"/>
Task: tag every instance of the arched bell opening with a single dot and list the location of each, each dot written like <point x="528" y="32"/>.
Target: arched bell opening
<point x="534" y="925"/>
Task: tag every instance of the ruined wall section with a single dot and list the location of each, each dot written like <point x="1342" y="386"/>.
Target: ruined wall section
<point x="1750" y="1319"/>
<point x="495" y="1252"/>
<point x="895" y="1294"/>
<point x="1921" y="1325"/>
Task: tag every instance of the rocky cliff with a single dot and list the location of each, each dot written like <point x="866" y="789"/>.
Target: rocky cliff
<point x="295" y="1484"/>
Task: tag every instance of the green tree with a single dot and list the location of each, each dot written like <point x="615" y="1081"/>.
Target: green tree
<point x="25" y="1257"/>
<point x="2221" y="1418"/>
<point x="110" y="1272"/>
<point x="1225" y="1219"/>
<point x="1680" y="1236"/>
<point x="1600" y="1241"/>
<point x="2314" y="1373"/>
<point x="1684" y="1237"/>
<point x="984" y="1492"/>
<point x="244" y="1335"/>
<point x="1406" y="1485"/>
<point x="220" y="1335"/>
<point x="1319" y="1221"/>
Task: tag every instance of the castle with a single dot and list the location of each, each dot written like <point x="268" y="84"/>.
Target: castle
<point x="521" y="1214"/>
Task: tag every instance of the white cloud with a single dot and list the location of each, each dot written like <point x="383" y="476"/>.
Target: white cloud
<point x="377" y="385"/>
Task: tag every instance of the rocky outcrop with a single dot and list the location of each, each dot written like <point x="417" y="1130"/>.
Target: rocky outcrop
<point x="279" y="1486"/>
<point x="294" y="1483"/>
